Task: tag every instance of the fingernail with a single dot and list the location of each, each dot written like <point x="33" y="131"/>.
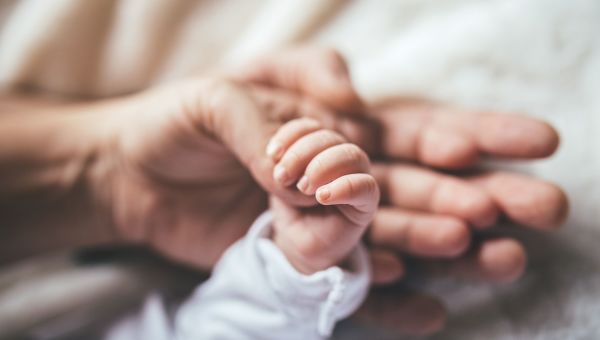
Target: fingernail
<point x="302" y="184"/>
<point x="323" y="194"/>
<point x="279" y="174"/>
<point x="274" y="149"/>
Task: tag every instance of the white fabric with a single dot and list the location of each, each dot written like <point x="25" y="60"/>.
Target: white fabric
<point x="254" y="293"/>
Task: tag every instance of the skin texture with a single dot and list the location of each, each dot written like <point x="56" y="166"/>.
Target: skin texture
<point x="167" y="167"/>
<point x="320" y="163"/>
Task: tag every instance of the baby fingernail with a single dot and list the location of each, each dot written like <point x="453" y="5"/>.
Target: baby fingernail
<point x="280" y="174"/>
<point x="302" y="184"/>
<point x="323" y="194"/>
<point x="274" y="149"/>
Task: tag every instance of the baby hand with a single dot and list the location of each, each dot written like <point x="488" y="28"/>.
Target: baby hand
<point x="321" y="163"/>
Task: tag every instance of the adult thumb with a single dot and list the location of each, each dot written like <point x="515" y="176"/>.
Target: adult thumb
<point x="317" y="72"/>
<point x="228" y="111"/>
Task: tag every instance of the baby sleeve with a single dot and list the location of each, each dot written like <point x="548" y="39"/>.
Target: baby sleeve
<point x="254" y="293"/>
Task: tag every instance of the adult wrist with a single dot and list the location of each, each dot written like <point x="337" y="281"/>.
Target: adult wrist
<point x="53" y="173"/>
<point x="105" y="173"/>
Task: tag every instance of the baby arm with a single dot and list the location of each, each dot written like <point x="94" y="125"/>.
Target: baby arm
<point x="299" y="269"/>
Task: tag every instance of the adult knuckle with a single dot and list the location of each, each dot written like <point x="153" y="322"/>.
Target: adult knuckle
<point x="454" y="237"/>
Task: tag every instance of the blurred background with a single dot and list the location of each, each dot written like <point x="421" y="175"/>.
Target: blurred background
<point x="540" y="57"/>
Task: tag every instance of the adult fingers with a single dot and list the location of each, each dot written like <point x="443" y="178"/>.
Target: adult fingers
<point x="317" y="72"/>
<point x="523" y="199"/>
<point x="526" y="200"/>
<point x="498" y="260"/>
<point x="440" y="136"/>
<point x="404" y="312"/>
<point x="386" y="266"/>
<point x="415" y="188"/>
<point x="419" y="234"/>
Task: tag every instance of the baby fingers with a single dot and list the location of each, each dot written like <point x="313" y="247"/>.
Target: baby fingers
<point x="357" y="195"/>
<point x="288" y="134"/>
<point x="334" y="162"/>
<point x="310" y="156"/>
<point x="300" y="154"/>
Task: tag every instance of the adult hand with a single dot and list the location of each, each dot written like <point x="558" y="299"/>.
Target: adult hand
<point x="171" y="172"/>
<point x="430" y="212"/>
<point x="188" y="171"/>
<point x="426" y="210"/>
<point x="181" y="166"/>
<point x="166" y="166"/>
